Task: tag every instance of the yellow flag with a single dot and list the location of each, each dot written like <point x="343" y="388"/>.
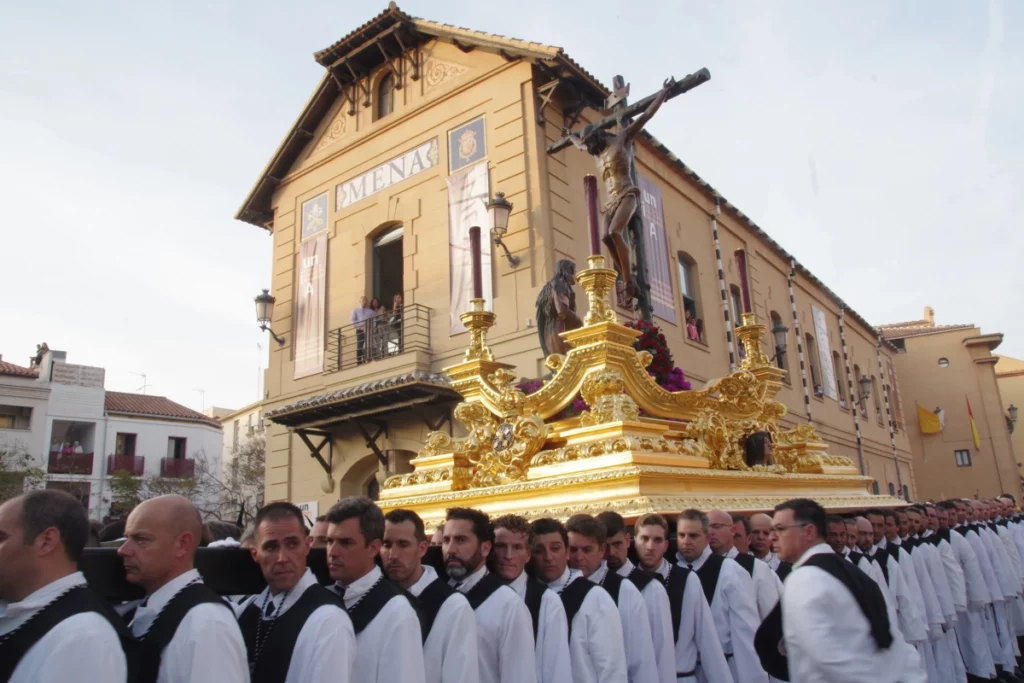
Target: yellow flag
<point x="929" y="421"/>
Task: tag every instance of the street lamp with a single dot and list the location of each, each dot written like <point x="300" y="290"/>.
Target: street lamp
<point x="865" y="391"/>
<point x="499" y="209"/>
<point x="780" y="332"/>
<point x="265" y="311"/>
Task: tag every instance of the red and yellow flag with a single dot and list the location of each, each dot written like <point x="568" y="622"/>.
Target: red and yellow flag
<point x="974" y="426"/>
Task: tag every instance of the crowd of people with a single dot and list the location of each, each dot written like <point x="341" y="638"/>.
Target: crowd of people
<point x="378" y="328"/>
<point x="930" y="592"/>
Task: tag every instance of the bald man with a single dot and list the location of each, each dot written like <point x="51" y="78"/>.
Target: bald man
<point x="767" y="586"/>
<point x="186" y="632"/>
<point x="760" y="540"/>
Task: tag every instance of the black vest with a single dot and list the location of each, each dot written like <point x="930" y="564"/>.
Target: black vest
<point x="767" y="643"/>
<point x="78" y="600"/>
<point x="534" y="597"/>
<point x="612" y="583"/>
<point x="573" y="596"/>
<point x="280" y="639"/>
<point x="382" y="592"/>
<point x="784" y="569"/>
<point x="675" y="586"/>
<point x="431" y="599"/>
<point x="640" y="578"/>
<point x="484" y="588"/>
<point x="165" y="625"/>
<point x="864" y="590"/>
<point x="747" y="562"/>
<point x="708" y="575"/>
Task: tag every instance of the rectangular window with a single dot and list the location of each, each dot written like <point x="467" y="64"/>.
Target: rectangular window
<point x="963" y="458"/>
<point x="176" y="447"/>
<point x="15" y="417"/>
<point x="125" y="444"/>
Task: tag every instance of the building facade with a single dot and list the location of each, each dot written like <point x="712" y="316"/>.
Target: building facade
<point x="947" y="374"/>
<point x="79" y="434"/>
<point x="414" y="126"/>
<point x="1010" y="377"/>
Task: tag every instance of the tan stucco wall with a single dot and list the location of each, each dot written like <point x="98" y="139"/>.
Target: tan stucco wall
<point x="1010" y="377"/>
<point x="993" y="469"/>
<point x="548" y="223"/>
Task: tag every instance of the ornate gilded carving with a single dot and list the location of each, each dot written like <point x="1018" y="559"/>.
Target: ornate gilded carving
<point x="477" y="321"/>
<point x="604" y="393"/>
<point x="438" y="71"/>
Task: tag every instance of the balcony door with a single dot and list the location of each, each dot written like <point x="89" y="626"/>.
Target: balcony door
<point x="388" y="266"/>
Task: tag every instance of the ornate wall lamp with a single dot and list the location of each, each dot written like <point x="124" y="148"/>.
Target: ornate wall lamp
<point x="264" y="312"/>
<point x="499" y="210"/>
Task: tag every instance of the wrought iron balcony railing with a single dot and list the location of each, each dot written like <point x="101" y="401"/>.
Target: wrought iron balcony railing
<point x="177" y="468"/>
<point x="70" y="463"/>
<point x="377" y="338"/>
<point x="133" y="464"/>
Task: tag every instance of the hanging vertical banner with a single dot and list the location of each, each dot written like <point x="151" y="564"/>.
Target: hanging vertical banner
<point x="309" y="328"/>
<point x="468" y="194"/>
<point x="658" y="274"/>
<point x="828" y="372"/>
<point x="897" y="408"/>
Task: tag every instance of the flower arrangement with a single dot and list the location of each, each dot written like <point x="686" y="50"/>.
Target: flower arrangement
<point x="662" y="368"/>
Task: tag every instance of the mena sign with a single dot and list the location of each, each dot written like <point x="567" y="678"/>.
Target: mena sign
<point x="387" y="174"/>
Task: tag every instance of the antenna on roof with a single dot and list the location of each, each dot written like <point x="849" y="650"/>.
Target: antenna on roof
<point x="145" y="385"/>
<point x="202" y="393"/>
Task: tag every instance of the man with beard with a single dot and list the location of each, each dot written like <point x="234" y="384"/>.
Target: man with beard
<point x="389" y="639"/>
<point x="595" y="635"/>
<point x="767" y="586"/>
<point x="186" y="631"/>
<point x="512" y="551"/>
<point x="616" y="557"/>
<point x="295" y="630"/>
<point x="730" y="593"/>
<point x="586" y="538"/>
<point x="760" y="543"/>
<point x="505" y="645"/>
<point x="697" y="648"/>
<point x="449" y="648"/>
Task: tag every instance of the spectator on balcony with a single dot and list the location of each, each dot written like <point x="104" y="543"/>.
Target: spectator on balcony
<point x="395" y="323"/>
<point x="66" y="448"/>
<point x="691" y="327"/>
<point x="55" y="447"/>
<point x="379" y="330"/>
<point x="76" y="448"/>
<point x="360" y="315"/>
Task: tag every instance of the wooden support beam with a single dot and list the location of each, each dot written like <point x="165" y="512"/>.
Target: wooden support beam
<point x="371" y="441"/>
<point x="463" y="46"/>
<point x="314" y="451"/>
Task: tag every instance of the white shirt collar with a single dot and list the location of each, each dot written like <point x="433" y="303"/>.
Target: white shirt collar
<point x="42" y="597"/>
<point x="567" y="577"/>
<point x="473" y="579"/>
<point x="927" y="533"/>
<point x="162" y="595"/>
<point x="664" y="568"/>
<point x="733" y="553"/>
<point x="626" y="569"/>
<point x="518" y="584"/>
<point x="285" y="599"/>
<point x="599" y="573"/>
<point x="768" y="558"/>
<point x="819" y="549"/>
<point x="846" y="551"/>
<point x="361" y="586"/>
<point x="696" y="564"/>
<point x="429" y="576"/>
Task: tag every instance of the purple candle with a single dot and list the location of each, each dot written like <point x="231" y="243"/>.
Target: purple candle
<point x="741" y="266"/>
<point x="590" y="192"/>
<point x="478" y="276"/>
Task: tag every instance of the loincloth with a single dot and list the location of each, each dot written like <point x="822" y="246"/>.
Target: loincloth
<point x="613" y="204"/>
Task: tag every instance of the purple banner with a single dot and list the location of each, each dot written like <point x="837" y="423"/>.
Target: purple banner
<point x="658" y="273"/>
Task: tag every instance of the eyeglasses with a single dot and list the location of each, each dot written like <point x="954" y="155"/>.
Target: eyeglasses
<point x="779" y="529"/>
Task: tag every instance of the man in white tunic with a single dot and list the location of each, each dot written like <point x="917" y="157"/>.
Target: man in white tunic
<point x="1005" y="585"/>
<point x="188" y="632"/>
<point x="389" y="639"/>
<point x="449" y="652"/>
<point x="828" y="635"/>
<point x="836" y="540"/>
<point x="698" y="652"/>
<point x="586" y="538"/>
<point x="616" y="557"/>
<point x="760" y="540"/>
<point x="42" y="535"/>
<point x="510" y="555"/>
<point x="730" y="592"/>
<point x="595" y="637"/>
<point x="767" y="586"/>
<point x="505" y="644"/>
<point x="294" y="619"/>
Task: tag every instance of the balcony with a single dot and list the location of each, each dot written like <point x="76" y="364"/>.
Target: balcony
<point x="132" y="464"/>
<point x="70" y="463"/>
<point x="177" y="468"/>
<point x="381" y="337"/>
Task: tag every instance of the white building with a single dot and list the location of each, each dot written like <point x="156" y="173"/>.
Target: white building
<point x="80" y="434"/>
<point x="239" y="426"/>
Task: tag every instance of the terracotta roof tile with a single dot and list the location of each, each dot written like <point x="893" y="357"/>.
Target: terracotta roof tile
<point x="909" y="323"/>
<point x="904" y="330"/>
<point x="154" y="406"/>
<point x="16" y="370"/>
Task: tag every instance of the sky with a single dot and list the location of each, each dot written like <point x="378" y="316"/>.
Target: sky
<point x="879" y="142"/>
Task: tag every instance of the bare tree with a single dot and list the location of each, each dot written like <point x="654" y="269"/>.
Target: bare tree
<point x="18" y="471"/>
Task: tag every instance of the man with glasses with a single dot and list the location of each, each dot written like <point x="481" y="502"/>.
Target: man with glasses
<point x="836" y="625"/>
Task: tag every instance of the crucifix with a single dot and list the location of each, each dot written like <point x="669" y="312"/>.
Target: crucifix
<point x="615" y="160"/>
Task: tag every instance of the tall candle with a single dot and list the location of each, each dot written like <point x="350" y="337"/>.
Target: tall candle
<point x="478" y="276"/>
<point x="590" y="192"/>
<point x="741" y="266"/>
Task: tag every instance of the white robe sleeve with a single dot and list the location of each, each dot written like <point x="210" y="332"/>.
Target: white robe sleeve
<point x="743" y="623"/>
<point x="954" y="575"/>
<point x="86" y="649"/>
<point x="516" y="648"/>
<point x="326" y="648"/>
<point x="604" y="630"/>
<point x="636" y="635"/>
<point x="1000" y="562"/>
<point x="660" y="615"/>
<point x="908" y="601"/>
<point x="933" y="609"/>
<point x="553" y="662"/>
<point x="985" y="563"/>
<point x="711" y="660"/>
<point x="207" y="646"/>
<point x="768" y="588"/>
<point x="974" y="581"/>
<point x="933" y="564"/>
<point x="460" y="662"/>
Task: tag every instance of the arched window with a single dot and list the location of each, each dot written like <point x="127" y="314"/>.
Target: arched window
<point x="892" y="489"/>
<point x="688" y="286"/>
<point x="386" y="95"/>
<point x="814" y="364"/>
<point x="841" y="378"/>
<point x="874" y="487"/>
<point x="906" y="493"/>
<point x="878" y="401"/>
<point x="861" y="405"/>
<point x="780" y="358"/>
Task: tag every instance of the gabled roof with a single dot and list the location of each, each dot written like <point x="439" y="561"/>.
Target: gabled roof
<point x="256" y="207"/>
<point x="13" y="370"/>
<point x="152" y="406"/>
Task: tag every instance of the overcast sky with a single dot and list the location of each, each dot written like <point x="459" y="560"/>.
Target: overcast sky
<point x="879" y="142"/>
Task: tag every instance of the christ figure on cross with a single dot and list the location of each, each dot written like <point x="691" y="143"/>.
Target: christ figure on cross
<point x="614" y="154"/>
